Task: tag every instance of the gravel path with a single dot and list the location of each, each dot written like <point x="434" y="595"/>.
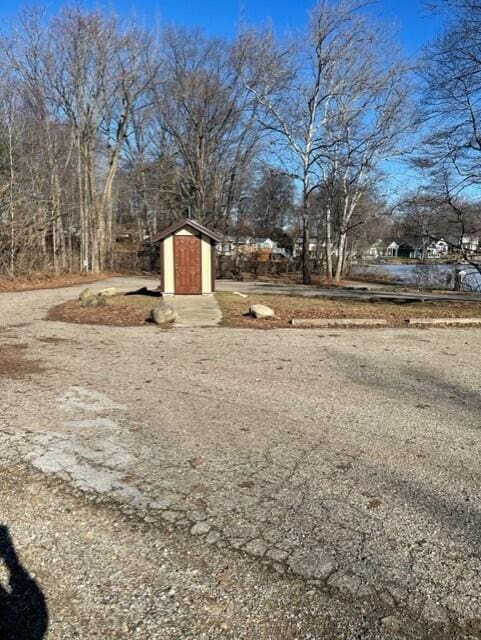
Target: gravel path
<point x="335" y="474"/>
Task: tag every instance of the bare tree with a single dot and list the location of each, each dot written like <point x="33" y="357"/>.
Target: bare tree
<point x="95" y="74"/>
<point x="369" y="120"/>
<point x="333" y="102"/>
<point x="102" y="122"/>
<point x="207" y="120"/>
<point x="271" y="205"/>
<point x="293" y="84"/>
<point x="451" y="70"/>
<point x="450" y="160"/>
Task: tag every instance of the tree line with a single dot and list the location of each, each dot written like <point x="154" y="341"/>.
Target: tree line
<point x="108" y="126"/>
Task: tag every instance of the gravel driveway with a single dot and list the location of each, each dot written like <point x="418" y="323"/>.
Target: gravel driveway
<point x="335" y="473"/>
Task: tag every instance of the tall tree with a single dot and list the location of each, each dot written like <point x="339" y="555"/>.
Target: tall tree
<point x="331" y="102"/>
<point x="369" y="120"/>
<point x="450" y="160"/>
<point x="207" y="120"/>
<point x="271" y="205"/>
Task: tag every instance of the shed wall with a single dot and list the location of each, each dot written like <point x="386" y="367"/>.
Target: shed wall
<point x="169" y="284"/>
<point x="168" y="263"/>
<point x="206" y="265"/>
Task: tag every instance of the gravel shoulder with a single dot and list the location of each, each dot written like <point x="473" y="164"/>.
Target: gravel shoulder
<point x="335" y="473"/>
<point x="106" y="574"/>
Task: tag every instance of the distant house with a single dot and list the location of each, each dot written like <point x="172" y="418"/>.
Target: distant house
<point x="470" y="244"/>
<point x="264" y="243"/>
<point x="245" y="245"/>
<point x="235" y="245"/>
<point x="437" y="249"/>
<point x="405" y="250"/>
<point x="311" y="249"/>
<point x="376" y="250"/>
<point x="392" y="249"/>
<point x="399" y="249"/>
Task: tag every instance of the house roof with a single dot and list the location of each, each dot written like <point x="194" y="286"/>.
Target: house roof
<point x="187" y="222"/>
<point x="238" y="240"/>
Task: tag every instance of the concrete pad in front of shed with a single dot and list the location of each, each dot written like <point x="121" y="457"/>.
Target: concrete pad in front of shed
<point x="196" y="311"/>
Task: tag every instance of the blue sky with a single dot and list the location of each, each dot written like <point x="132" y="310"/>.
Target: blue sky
<point x="415" y="25"/>
<point x="221" y="17"/>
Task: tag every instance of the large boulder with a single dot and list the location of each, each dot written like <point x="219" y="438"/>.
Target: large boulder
<point x="86" y="294"/>
<point x="109" y="292"/>
<point x="163" y="313"/>
<point x="261" y="311"/>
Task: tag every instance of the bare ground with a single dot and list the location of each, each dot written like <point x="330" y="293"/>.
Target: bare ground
<point x="35" y="281"/>
<point x="122" y="311"/>
<point x="14" y="363"/>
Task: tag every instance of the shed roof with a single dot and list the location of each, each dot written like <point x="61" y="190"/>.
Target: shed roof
<point x="187" y="222"/>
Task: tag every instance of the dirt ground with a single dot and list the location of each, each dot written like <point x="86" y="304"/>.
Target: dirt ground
<point x="14" y="364"/>
<point x="35" y="281"/>
<point x="123" y="311"/>
<point x="286" y="308"/>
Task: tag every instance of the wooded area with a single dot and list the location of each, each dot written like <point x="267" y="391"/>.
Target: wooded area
<point x="108" y="128"/>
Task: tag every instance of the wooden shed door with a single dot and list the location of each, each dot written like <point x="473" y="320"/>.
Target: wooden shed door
<point x="187" y="258"/>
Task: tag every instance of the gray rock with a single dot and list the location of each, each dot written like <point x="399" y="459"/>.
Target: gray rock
<point x="391" y="622"/>
<point x="109" y="292"/>
<point x="200" y="528"/>
<point x="261" y="311"/>
<point x="86" y="294"/>
<point x="256" y="547"/>
<point x="212" y="537"/>
<point x="96" y="301"/>
<point x="313" y="563"/>
<point x="163" y="313"/>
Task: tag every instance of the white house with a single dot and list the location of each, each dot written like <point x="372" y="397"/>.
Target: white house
<point x="311" y="248"/>
<point x="437" y="249"/>
<point x="392" y="249"/>
<point x="470" y="244"/>
<point x="376" y="250"/>
<point x="245" y="245"/>
<point x="264" y="243"/>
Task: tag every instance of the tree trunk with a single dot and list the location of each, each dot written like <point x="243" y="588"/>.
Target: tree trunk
<point x="329" y="271"/>
<point x="340" y="256"/>
<point x="306" y="265"/>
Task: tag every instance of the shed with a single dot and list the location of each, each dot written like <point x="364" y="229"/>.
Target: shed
<point x="187" y="258"/>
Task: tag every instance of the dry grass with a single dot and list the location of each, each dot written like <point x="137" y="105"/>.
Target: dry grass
<point x="49" y="281"/>
<point x="288" y="307"/>
<point x="121" y="311"/>
<point x="14" y="364"/>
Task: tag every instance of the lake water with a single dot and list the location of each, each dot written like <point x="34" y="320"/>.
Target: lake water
<point x="436" y="276"/>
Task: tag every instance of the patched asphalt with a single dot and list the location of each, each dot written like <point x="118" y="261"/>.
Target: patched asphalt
<point x="338" y="470"/>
